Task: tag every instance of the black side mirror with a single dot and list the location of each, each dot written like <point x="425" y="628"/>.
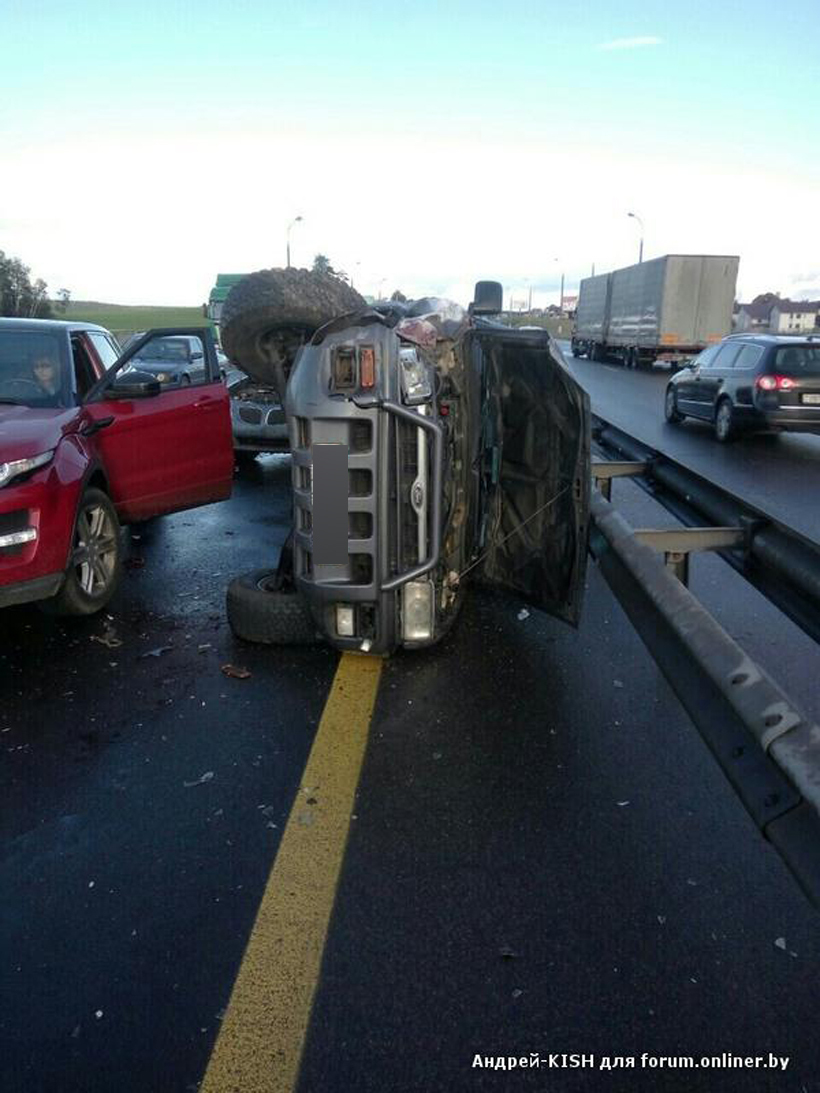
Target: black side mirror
<point x="134" y="384"/>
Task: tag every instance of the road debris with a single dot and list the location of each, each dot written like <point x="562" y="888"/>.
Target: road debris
<point x="160" y="649"/>
<point x="234" y="672"/>
<point x="523" y="614"/>
<point x="206" y="777"/>
<point x="506" y="953"/>
<point x="108" y="639"/>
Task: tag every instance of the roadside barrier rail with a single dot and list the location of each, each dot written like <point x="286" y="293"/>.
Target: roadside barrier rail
<point x="766" y="747"/>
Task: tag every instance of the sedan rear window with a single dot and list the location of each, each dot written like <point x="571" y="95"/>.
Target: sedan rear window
<point x="798" y="360"/>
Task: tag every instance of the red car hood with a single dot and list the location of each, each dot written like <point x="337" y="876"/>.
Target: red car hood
<point x="27" y="431"/>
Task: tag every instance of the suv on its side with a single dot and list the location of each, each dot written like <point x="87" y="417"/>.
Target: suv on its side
<point x="750" y="383"/>
<point x="87" y="441"/>
<point x="430" y="446"/>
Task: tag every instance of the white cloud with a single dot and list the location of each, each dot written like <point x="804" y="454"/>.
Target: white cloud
<point x="631" y="43"/>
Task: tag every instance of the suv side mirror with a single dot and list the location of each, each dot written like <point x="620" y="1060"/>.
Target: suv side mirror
<point x="133" y="384"/>
<point x="488" y="298"/>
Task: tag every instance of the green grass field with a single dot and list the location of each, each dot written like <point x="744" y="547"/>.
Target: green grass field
<point x="124" y="319"/>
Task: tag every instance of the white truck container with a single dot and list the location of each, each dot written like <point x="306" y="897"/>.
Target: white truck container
<point x="665" y="309"/>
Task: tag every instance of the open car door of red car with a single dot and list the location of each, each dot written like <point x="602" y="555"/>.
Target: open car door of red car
<point x="163" y="430"/>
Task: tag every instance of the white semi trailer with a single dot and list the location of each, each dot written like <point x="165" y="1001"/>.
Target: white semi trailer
<point x="665" y="309"/>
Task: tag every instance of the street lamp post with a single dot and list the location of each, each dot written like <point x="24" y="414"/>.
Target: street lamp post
<point x="296" y="220"/>
<point x="640" y="246"/>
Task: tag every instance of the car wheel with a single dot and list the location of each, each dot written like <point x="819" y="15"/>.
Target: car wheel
<point x="259" y="610"/>
<point x="725" y="428"/>
<point x="94" y="564"/>
<point x="670" y="407"/>
<point x="244" y="459"/>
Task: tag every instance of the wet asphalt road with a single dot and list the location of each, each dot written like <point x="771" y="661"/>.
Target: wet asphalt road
<point x="544" y="857"/>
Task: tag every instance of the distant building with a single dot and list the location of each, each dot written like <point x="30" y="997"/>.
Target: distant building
<point x="768" y="314"/>
<point x="793" y="317"/>
<point x="754" y="317"/>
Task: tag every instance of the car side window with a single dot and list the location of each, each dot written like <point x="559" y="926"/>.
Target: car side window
<point x="704" y="359"/>
<point x="726" y="357"/>
<point x="107" y="353"/>
<point x="749" y="357"/>
<point x="84" y="374"/>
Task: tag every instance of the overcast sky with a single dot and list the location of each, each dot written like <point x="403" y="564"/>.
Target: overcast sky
<point x="426" y="145"/>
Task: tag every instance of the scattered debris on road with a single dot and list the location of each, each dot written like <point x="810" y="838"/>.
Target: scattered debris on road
<point x="234" y="672"/>
<point x="206" y="777"/>
<point x="156" y="652"/>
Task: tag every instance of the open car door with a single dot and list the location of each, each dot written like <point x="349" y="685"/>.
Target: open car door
<point x="164" y="436"/>
<point x="535" y="461"/>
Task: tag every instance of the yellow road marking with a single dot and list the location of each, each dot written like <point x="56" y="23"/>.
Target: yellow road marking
<point x="260" y="1042"/>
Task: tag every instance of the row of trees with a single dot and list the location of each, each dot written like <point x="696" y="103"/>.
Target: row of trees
<point x="20" y="297"/>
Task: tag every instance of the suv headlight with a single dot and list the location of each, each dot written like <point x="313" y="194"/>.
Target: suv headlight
<point x="10" y="471"/>
<point x="415" y="378"/>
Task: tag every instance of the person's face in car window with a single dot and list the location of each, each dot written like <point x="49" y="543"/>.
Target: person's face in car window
<point x="46" y="375"/>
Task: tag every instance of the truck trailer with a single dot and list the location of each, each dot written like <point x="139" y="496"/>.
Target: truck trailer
<point x="667" y="309"/>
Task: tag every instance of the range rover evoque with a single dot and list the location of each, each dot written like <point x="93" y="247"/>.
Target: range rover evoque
<point x="430" y="447"/>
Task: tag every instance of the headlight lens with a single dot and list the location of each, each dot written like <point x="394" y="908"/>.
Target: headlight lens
<point x="415" y="379"/>
<point x="345" y="620"/>
<point x="12" y="470"/>
<point x="417" y="613"/>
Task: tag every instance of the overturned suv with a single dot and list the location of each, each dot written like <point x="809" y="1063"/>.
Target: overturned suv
<point x="431" y="447"/>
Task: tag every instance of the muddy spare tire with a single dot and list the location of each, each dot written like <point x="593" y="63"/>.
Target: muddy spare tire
<point x="279" y="309"/>
<point x="260" y="610"/>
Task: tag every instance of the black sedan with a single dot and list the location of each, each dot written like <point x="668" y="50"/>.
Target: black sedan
<point x="750" y="383"/>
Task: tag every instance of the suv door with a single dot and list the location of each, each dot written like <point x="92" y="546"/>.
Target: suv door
<point x="535" y="461"/>
<point x="162" y="450"/>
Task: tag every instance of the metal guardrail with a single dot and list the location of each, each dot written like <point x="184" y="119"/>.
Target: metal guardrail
<point x="779" y="562"/>
<point x="766" y="748"/>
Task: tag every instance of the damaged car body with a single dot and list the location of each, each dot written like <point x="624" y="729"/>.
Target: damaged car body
<point x="431" y="447"/>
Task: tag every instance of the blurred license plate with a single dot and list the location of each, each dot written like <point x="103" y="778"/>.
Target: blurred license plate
<point x="811" y="400"/>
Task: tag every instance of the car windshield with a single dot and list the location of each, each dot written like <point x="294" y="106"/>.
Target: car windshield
<point x="798" y="360"/>
<point x="167" y="350"/>
<point x="34" y="369"/>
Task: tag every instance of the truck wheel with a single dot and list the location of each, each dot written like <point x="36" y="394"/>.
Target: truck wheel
<point x="260" y="611"/>
<point x="292" y="302"/>
<point x="94" y="562"/>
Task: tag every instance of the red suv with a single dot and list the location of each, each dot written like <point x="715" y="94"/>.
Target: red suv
<point x="87" y="442"/>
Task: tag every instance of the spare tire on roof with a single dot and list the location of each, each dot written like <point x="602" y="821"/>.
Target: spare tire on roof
<point x="279" y="309"/>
